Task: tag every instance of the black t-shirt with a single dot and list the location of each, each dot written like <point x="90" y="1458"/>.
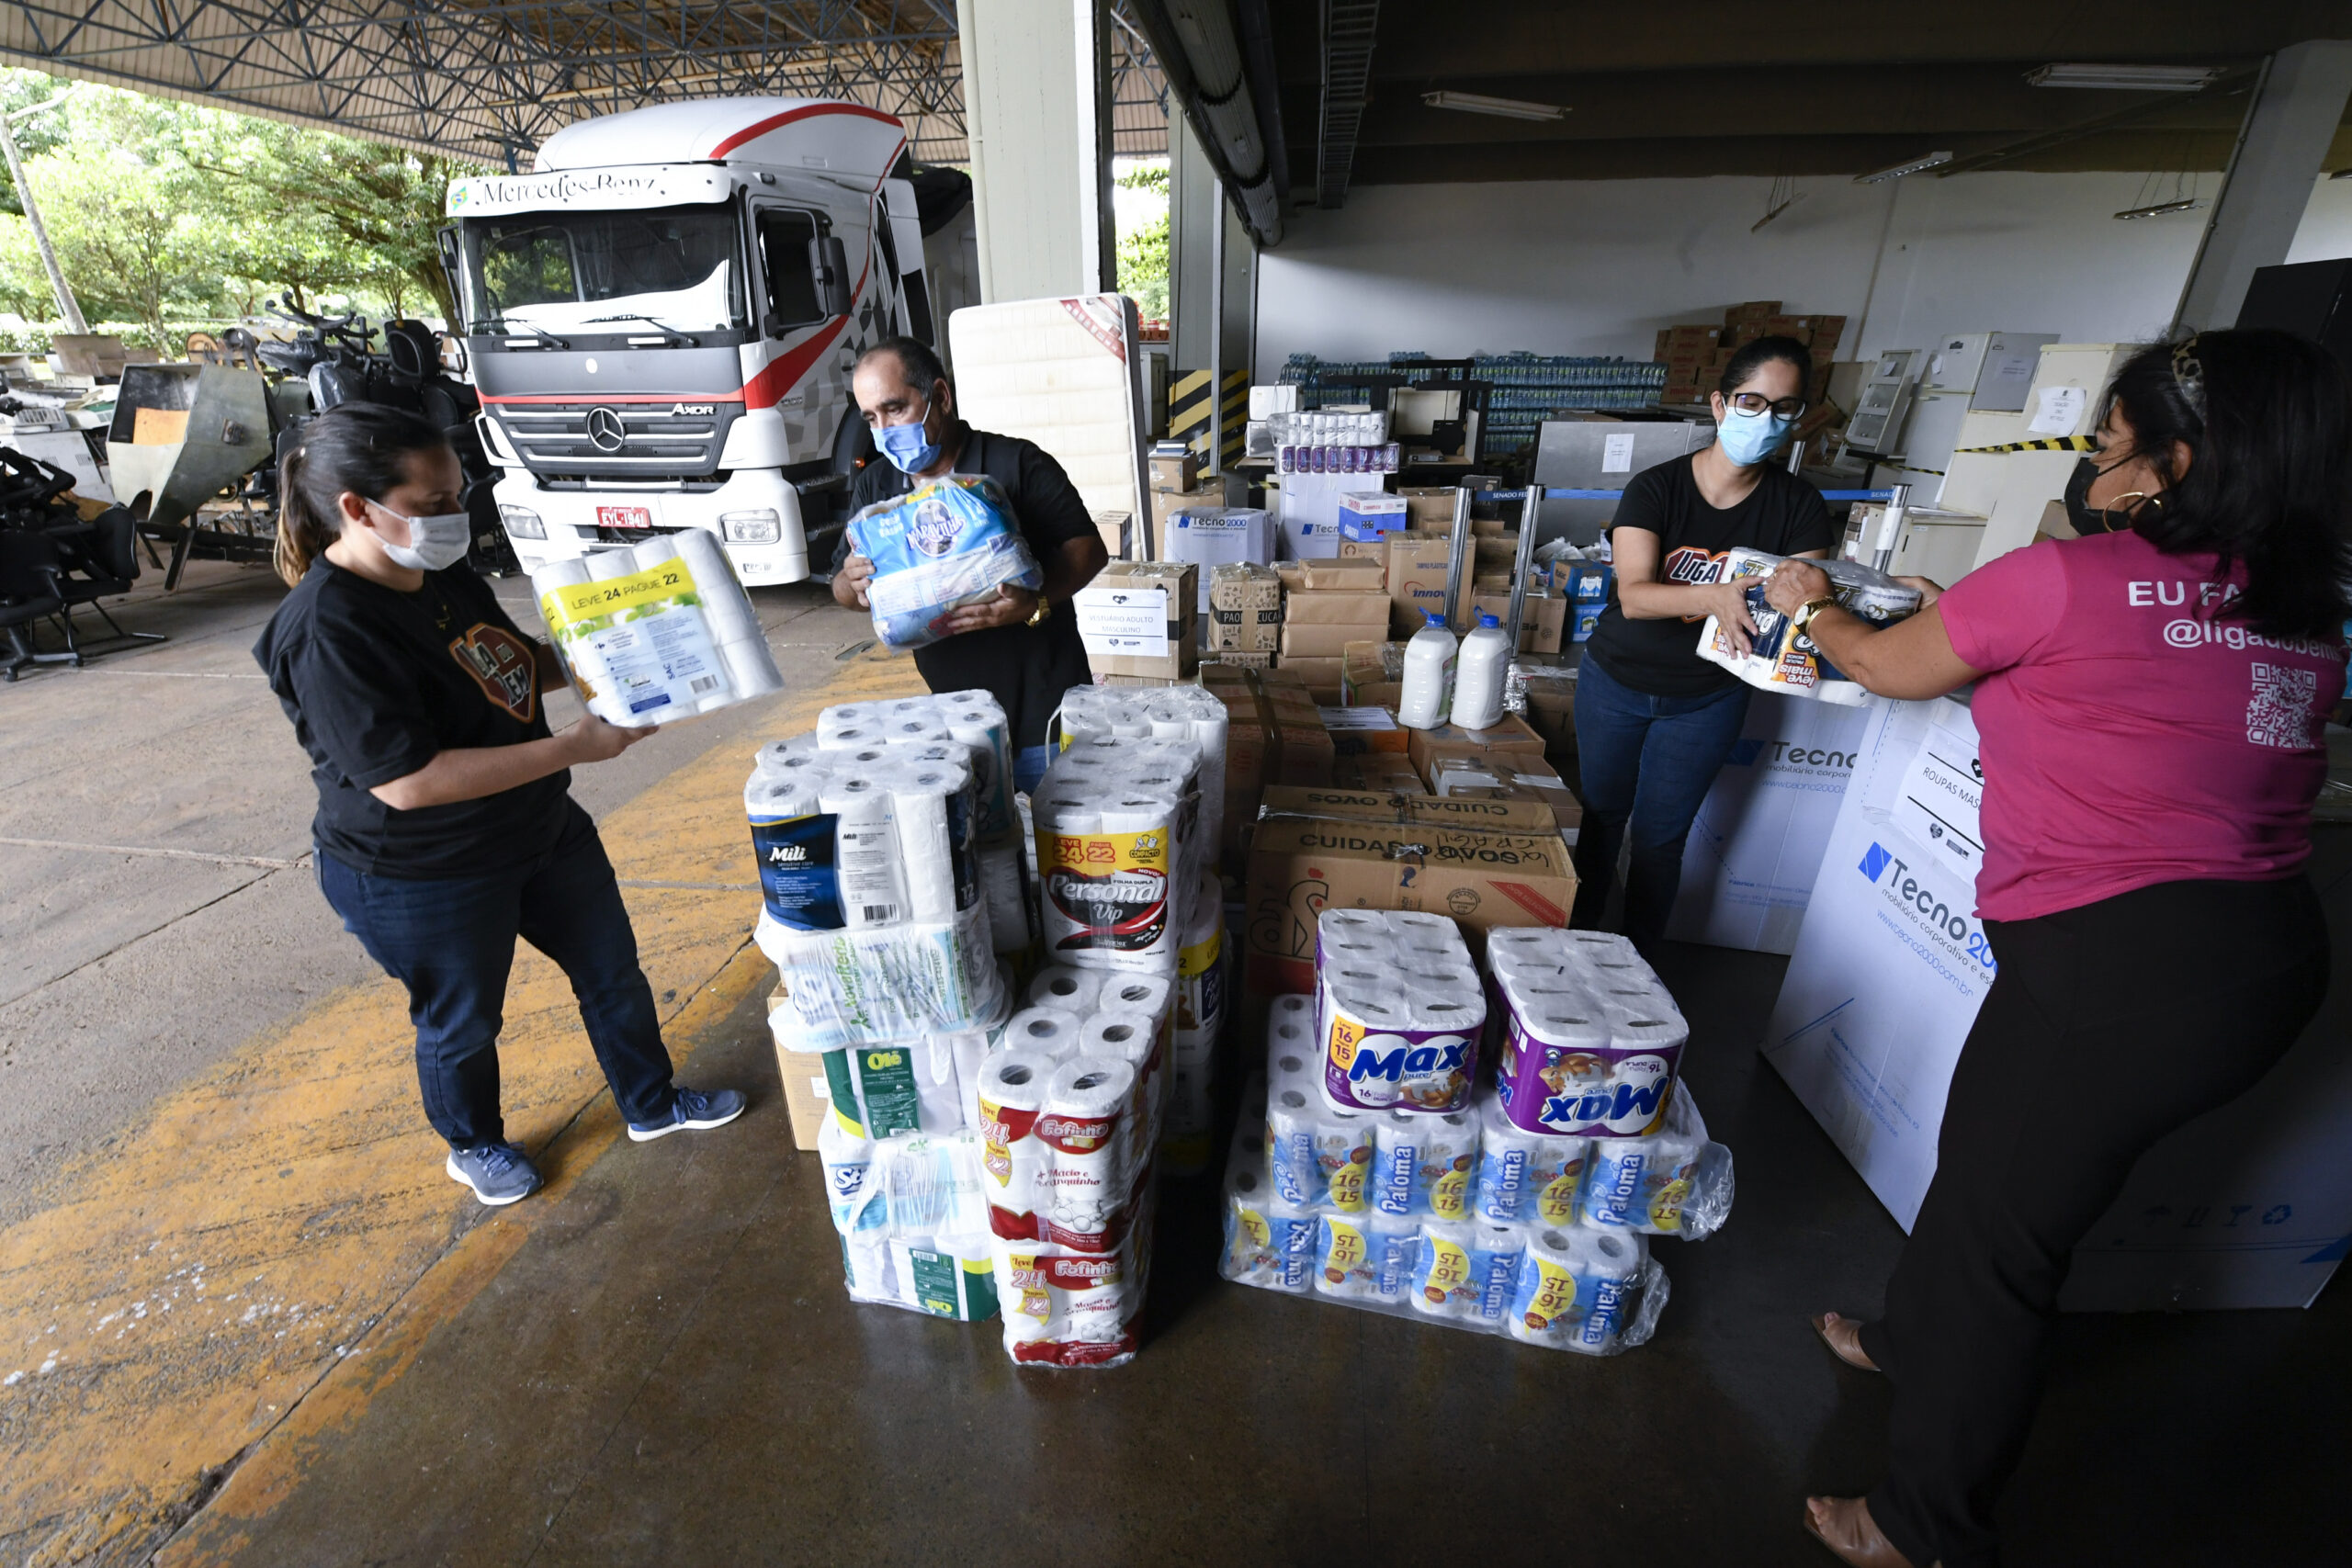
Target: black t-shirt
<point x="1782" y="515"/>
<point x="376" y="681"/>
<point x="1027" y="668"/>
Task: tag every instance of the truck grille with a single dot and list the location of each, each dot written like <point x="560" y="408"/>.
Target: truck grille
<point x="616" y="440"/>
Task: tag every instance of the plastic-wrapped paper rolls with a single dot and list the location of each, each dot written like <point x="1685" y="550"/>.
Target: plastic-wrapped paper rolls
<point x="1386" y="1043"/>
<point x="1108" y="862"/>
<point x="1065" y="1308"/>
<point x="1495" y="1253"/>
<point x="1004" y="891"/>
<point x="832" y="721"/>
<point x="1319" y="1156"/>
<point x="637" y="639"/>
<point x="1050" y="1031"/>
<point x="845" y="1157"/>
<point x="1067" y="986"/>
<point x="1344" y="1258"/>
<point x="1173" y="713"/>
<point x="1289" y="1026"/>
<point x="931" y="811"/>
<point x="1132" y="1038"/>
<point x="1268" y="1243"/>
<point x="1084" y="1189"/>
<point x="734" y="625"/>
<point x="1013" y="1085"/>
<point x="1591" y="1042"/>
<point x="906" y="1086"/>
<point x="1641" y="1183"/>
<point x="1443" y="1283"/>
<point x="1128" y="991"/>
<point x="882" y="983"/>
<point x="1573" y="1289"/>
<point x="1395" y="1245"/>
<point x="1423" y="1164"/>
<point x="980" y="727"/>
<point x="1525" y="1176"/>
<point x="1200" y="975"/>
<point x="866" y="850"/>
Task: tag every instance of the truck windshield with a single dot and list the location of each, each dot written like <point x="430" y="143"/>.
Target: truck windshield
<point x="560" y="271"/>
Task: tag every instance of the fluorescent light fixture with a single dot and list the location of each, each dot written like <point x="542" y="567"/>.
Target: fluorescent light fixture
<point x="1916" y="166"/>
<point x="2187" y="204"/>
<point x="1508" y="108"/>
<point x="2126" y="78"/>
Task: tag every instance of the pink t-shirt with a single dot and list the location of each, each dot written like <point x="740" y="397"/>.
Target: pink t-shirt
<point x="2128" y="736"/>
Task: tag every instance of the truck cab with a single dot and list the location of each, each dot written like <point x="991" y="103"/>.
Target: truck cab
<point x="661" y="318"/>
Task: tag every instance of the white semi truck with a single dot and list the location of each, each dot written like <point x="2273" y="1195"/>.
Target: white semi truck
<point x="661" y="317"/>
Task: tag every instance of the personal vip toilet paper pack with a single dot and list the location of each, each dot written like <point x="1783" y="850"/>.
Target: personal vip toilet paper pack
<point x="1112" y="820"/>
<point x="1399" y="1011"/>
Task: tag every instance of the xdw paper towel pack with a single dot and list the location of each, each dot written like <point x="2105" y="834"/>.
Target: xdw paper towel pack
<point x="946" y="543"/>
<point x="1399" y="1011"/>
<point x="1780" y="658"/>
<point x="656" y="632"/>
<point x="1590" y="1043"/>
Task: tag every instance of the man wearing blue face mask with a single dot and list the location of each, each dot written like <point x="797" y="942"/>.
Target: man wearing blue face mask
<point x="1656" y="722"/>
<point x="1023" y="645"/>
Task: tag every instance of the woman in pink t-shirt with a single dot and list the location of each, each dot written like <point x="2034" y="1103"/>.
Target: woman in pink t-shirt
<point x="2149" y="700"/>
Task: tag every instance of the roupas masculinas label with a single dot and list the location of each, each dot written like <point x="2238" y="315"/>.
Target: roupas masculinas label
<point x="638" y="645"/>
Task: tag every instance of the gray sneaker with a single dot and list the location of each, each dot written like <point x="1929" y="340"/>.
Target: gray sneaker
<point x="498" y="1173"/>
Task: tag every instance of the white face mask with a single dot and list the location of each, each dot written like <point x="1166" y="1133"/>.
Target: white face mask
<point x="434" y="543"/>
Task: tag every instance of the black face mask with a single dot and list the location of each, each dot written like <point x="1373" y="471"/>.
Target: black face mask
<point x="2089" y="519"/>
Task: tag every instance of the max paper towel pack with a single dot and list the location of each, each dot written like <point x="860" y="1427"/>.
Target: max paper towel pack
<point x="1588" y="1042"/>
<point x="1779" y="657"/>
<point x="656" y="632"/>
<point x="1461" y="1218"/>
<point x="1399" y="1011"/>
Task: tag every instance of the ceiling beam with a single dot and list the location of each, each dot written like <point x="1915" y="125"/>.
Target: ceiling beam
<point x="1349" y="29"/>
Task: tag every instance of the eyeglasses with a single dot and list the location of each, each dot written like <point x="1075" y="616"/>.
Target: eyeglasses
<point x="1756" y="403"/>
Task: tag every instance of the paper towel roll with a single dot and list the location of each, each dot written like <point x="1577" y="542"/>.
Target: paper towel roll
<point x="866" y="850"/>
<point x="1067" y="986"/>
<point x="608" y="564"/>
<point x="751" y="667"/>
<point x="931" y="808"/>
<point x="1443" y="1284"/>
<point x="1132" y="1037"/>
<point x="799" y="753"/>
<point x="1013" y="1085"/>
<point x="1343" y="1260"/>
<point x="1421" y="1165"/>
<point x="1051" y="1031"/>
<point x="1083" y="1190"/>
<point x="843" y="715"/>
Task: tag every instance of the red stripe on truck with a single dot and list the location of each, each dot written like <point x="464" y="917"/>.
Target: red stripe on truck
<point x="788" y="116"/>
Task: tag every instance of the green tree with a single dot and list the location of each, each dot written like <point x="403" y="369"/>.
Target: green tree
<point x="1143" y="250"/>
<point x="133" y="240"/>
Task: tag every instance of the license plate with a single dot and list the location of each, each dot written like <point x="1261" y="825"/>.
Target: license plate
<point x="624" y="516"/>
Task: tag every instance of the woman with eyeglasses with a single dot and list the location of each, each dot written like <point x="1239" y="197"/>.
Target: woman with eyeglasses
<point x="1656" y="722"/>
<point x="2149" y="701"/>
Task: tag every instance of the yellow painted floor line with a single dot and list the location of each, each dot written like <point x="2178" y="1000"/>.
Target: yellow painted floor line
<point x="279" y="1233"/>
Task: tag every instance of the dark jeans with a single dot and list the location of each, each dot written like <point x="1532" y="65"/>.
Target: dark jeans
<point x="1647" y="762"/>
<point x="451" y="942"/>
<point x="2106" y="1028"/>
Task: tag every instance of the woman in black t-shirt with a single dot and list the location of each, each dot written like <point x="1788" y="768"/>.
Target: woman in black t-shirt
<point x="1656" y="722"/>
<point x="444" y="830"/>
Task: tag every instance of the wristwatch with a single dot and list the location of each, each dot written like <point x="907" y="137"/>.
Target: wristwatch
<point x="1803" y="619"/>
<point x="1042" y="614"/>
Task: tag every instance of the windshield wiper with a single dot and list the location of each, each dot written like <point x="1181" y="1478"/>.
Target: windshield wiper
<point x="499" y="323"/>
<point x="668" y="332"/>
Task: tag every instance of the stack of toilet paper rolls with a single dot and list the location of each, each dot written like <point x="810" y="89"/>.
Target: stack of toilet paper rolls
<point x="1071" y="1103"/>
<point x="1399" y="1011"/>
<point x="656" y="632"/>
<point x="1163" y="713"/>
<point x="888" y="866"/>
<point x="1460" y="1217"/>
<point x="1119" y="850"/>
<point x="914" y="1221"/>
<point x="1588" y="1043"/>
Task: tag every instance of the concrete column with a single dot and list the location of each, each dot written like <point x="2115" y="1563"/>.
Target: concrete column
<point x="1036" y="108"/>
<point x="2296" y="106"/>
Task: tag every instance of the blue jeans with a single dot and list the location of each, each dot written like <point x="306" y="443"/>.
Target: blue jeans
<point x="451" y="942"/>
<point x="1648" y="762"/>
<point x="1029" y="765"/>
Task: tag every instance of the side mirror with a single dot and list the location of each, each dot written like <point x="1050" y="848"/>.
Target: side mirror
<point x="829" y="269"/>
<point x="452" y="269"/>
<point x="773" y="324"/>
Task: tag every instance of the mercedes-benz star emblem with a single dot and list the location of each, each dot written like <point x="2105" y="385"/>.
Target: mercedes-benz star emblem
<point x="606" y="429"/>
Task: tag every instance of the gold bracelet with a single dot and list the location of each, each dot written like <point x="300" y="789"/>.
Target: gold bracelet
<point x="1042" y="614"/>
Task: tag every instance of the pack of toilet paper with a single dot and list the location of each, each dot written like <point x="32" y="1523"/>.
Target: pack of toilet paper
<point x="1163" y="713"/>
<point x="1119" y="849"/>
<point x="945" y="543"/>
<point x="656" y="632"/>
<point x="1589" y="1041"/>
<point x="1780" y="658"/>
<point x="1203" y="987"/>
<point x="1399" y="1011"/>
<point x="924" y="1083"/>
<point x="912" y="1220"/>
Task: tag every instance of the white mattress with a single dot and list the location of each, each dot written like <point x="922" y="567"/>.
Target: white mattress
<point x="1065" y="374"/>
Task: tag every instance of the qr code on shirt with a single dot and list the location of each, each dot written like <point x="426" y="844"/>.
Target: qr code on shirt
<point x="2283" y="711"/>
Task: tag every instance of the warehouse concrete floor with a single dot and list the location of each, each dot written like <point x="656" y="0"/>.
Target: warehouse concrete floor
<point x="251" y="1323"/>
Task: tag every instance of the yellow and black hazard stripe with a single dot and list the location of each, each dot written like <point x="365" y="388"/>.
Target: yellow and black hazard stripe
<point x="1188" y="411"/>
<point x="2047" y="444"/>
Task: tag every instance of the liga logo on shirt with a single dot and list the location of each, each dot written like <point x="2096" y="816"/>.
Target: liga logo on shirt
<point x="1690" y="564"/>
<point x="501" y="662"/>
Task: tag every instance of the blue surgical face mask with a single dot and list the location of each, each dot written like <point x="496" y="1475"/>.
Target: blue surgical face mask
<point x="909" y="446"/>
<point x="1748" y="438"/>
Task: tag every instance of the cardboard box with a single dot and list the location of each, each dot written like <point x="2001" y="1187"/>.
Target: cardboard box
<point x="1357" y="730"/>
<point x="1372" y="675"/>
<point x="1140" y="618"/>
<point x="1512" y="734"/>
<point x="1523" y="779"/>
<point x="807" y="1099"/>
<point x="1428" y="507"/>
<point x="1684" y="341"/>
<point x="1362" y="806"/>
<point x="1118" y="531"/>
<point x="1420" y="570"/>
<point x="1369" y="514"/>
<point x="1318" y="673"/>
<point x="1346" y="575"/>
<point x="1543" y="618"/>
<point x="1753" y="311"/>
<point x="1304" y="746"/>
<point x="1165" y="503"/>
<point x="1245" y="610"/>
<point x="1263" y="659"/>
<point x="1176" y="473"/>
<point x="1317" y="641"/>
<point x="1250" y="752"/>
<point x="1211" y="537"/>
<point x="1374" y="550"/>
<point x="1336" y="607"/>
<point x="1381" y="772"/>
<point x="1300" y="865"/>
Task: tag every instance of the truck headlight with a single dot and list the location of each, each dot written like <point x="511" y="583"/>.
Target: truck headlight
<point x="522" y="523"/>
<point x="761" y="527"/>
